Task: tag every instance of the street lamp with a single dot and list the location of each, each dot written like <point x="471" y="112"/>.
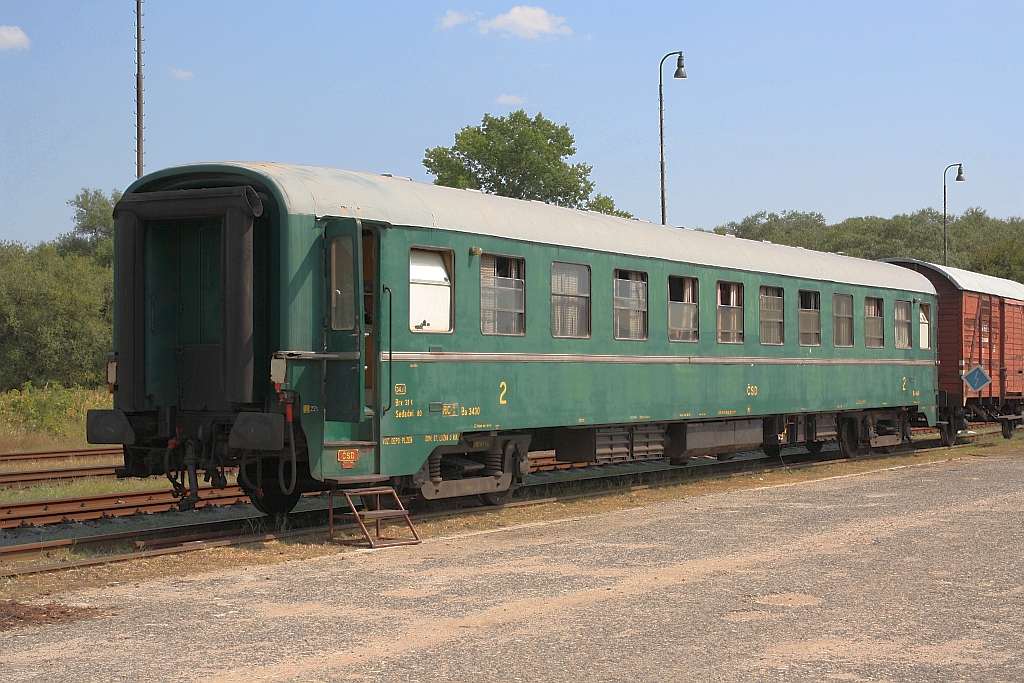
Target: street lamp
<point x="680" y="73"/>
<point x="959" y="179"/>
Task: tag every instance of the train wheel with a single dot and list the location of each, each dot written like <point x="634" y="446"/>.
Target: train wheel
<point x="947" y="433"/>
<point x="848" y="438"/>
<point x="773" y="451"/>
<point x="1008" y="427"/>
<point x="270" y="500"/>
<point x="498" y="497"/>
<point x="814" y="446"/>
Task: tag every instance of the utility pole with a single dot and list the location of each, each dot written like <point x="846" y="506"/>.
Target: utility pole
<point x="139" y="130"/>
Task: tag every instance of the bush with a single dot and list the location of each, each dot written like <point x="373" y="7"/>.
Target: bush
<point x="50" y="410"/>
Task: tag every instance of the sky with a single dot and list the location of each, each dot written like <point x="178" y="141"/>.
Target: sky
<point x="845" y="108"/>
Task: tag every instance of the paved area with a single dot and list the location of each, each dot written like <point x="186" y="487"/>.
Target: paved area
<point x="914" y="574"/>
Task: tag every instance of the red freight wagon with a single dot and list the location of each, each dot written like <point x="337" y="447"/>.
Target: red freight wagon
<point x="980" y="324"/>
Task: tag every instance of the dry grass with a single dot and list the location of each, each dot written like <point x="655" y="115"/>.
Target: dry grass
<point x="315" y="545"/>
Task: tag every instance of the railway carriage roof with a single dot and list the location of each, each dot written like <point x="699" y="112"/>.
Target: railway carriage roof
<point x="332" y="192"/>
<point x="972" y="282"/>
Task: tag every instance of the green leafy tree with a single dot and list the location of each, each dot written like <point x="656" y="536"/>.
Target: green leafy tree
<point x="521" y="157"/>
<point x="56" y="316"/>
<point x="93" y="234"/>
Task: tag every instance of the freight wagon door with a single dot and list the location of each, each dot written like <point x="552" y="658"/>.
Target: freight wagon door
<point x="344" y="374"/>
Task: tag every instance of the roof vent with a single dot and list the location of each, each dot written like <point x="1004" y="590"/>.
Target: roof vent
<point x="767" y="241"/>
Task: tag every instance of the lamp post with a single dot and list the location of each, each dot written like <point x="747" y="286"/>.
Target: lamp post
<point x="959" y="179"/>
<point x="680" y="73"/>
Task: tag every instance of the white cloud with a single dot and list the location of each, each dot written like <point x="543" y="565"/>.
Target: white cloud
<point x="510" y="99"/>
<point x="524" y="21"/>
<point x="182" y="75"/>
<point x="452" y="18"/>
<point x="13" y="38"/>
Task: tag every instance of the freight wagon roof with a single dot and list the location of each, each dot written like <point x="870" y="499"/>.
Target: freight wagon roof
<point x="972" y="282"/>
<point x="332" y="192"/>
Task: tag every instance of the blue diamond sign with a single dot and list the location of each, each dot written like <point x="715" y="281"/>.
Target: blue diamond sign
<point x="977" y="379"/>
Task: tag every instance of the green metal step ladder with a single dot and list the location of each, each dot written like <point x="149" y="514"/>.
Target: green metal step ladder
<point x="376" y="515"/>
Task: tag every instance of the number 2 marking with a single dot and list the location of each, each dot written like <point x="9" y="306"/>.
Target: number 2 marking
<point x="904" y="384"/>
<point x="501" y="398"/>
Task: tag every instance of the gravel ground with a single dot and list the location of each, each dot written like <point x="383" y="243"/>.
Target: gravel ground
<point x="914" y="573"/>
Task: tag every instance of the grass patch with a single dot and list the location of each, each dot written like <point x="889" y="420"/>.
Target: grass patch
<point x="47" y="418"/>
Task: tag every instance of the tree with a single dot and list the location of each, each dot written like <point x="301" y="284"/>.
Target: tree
<point x="520" y="157"/>
<point x="93" y="234"/>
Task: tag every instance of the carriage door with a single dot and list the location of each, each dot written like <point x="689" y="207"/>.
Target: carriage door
<point x="345" y="357"/>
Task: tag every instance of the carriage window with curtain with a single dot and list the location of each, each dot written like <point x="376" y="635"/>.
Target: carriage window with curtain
<point x="925" y="326"/>
<point x="773" y="322"/>
<point x="809" y="318"/>
<point x="629" y="300"/>
<point x="430" y="290"/>
<point x="502" y="295"/>
<point x="874" y="335"/>
<point x="570" y="300"/>
<point x="903" y="324"/>
<point x="730" y="313"/>
<point x="842" y="320"/>
<point x="682" y="309"/>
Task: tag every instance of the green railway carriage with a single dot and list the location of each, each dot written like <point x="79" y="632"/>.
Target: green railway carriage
<point x="314" y="325"/>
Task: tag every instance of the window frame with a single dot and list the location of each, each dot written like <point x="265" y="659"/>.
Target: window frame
<point x="836" y="317"/>
<point x="695" y="303"/>
<point x="480" y="291"/>
<point x="448" y="258"/>
<point x="800" y="309"/>
<point x="589" y="297"/>
<point x="924" y="340"/>
<point x="781" y="322"/>
<point x="881" y="321"/>
<point x="336" y="323"/>
<point x="908" y="323"/>
<point x="718" y="309"/>
<point x="645" y="311"/>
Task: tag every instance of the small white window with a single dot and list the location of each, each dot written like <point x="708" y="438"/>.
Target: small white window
<point x="809" y="318"/>
<point x="343" y="297"/>
<point x="682" y="309"/>
<point x="430" y="291"/>
<point x="874" y="331"/>
<point x="502" y="295"/>
<point x="730" y="313"/>
<point x="903" y="324"/>
<point x="773" y="321"/>
<point x="925" y="322"/>
<point x="570" y="300"/>
<point x="629" y="301"/>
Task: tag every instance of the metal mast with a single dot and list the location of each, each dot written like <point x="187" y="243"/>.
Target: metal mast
<point x="139" y="130"/>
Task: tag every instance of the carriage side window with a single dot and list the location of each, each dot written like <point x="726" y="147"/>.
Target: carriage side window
<point x="430" y="290"/>
<point x="773" y="321"/>
<point x="730" y="313"/>
<point x="629" y="299"/>
<point x="809" y="318"/>
<point x="343" y="296"/>
<point x="903" y="324"/>
<point x="570" y="300"/>
<point x="925" y="326"/>
<point x="842" y="320"/>
<point x="502" y="295"/>
<point x="874" y="335"/>
<point x="682" y="309"/>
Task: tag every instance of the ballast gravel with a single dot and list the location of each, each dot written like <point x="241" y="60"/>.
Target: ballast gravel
<point x="909" y="574"/>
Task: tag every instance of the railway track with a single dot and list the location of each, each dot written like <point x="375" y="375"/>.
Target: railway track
<point x="18" y="479"/>
<point x="171" y="540"/>
<point x="62" y="454"/>
<point x="85" y="508"/>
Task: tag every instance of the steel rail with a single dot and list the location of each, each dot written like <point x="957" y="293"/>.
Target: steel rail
<point x="169" y="546"/>
<point x="62" y="454"/>
<point x="22" y="478"/>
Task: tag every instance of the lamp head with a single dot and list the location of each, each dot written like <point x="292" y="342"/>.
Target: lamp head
<point x="680" y="71"/>
<point x="960" y="173"/>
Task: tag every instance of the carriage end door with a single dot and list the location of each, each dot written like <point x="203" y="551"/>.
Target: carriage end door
<point x="346" y="354"/>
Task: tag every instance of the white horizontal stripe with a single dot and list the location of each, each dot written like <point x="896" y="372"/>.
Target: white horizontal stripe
<point x="460" y="357"/>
